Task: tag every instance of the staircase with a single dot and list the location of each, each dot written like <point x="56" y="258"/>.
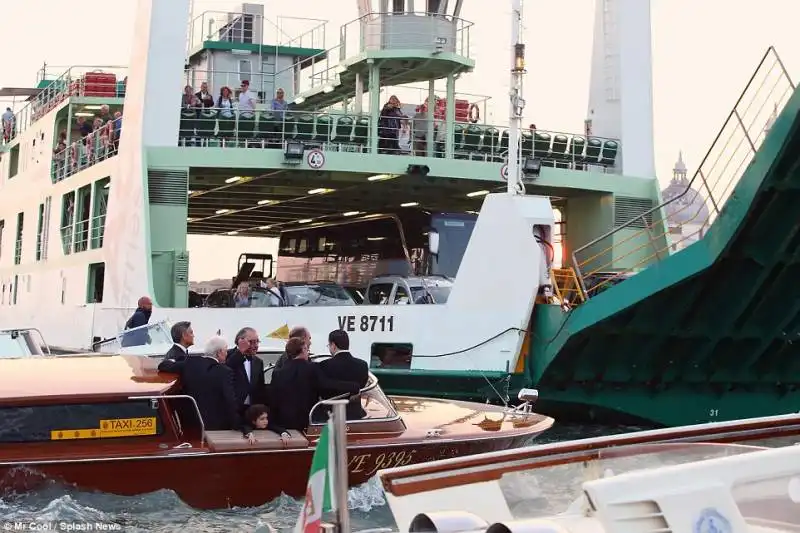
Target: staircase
<point x="704" y="323"/>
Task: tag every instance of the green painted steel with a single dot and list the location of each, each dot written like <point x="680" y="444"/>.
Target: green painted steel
<point x="708" y="333"/>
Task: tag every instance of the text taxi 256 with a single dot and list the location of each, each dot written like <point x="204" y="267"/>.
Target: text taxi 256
<point x="351" y="323"/>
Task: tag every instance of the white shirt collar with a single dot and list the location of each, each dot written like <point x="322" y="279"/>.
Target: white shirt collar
<point x="182" y="347"/>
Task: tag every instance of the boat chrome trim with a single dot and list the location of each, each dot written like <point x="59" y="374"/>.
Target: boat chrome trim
<point x="179" y="397"/>
<point x="371" y="385"/>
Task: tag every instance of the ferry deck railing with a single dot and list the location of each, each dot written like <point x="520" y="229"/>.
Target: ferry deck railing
<point x="684" y="218"/>
<point x="78" y="81"/>
<point x="244" y="28"/>
<point x="333" y="131"/>
<point x="101" y="144"/>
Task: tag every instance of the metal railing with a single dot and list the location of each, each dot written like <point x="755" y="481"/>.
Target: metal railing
<point x="340" y="132"/>
<point x="180" y="397"/>
<point x="248" y="28"/>
<point x="101" y="144"/>
<point x="389" y="31"/>
<point x="76" y="81"/>
<point x="75" y="236"/>
<point x="685" y="216"/>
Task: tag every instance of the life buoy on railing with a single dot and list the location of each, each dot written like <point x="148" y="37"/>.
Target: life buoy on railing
<point x="474" y="113"/>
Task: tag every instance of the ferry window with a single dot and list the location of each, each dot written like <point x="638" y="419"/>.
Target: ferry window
<point x="244" y="69"/>
<point x="391" y="355"/>
<point x="303" y="246"/>
<point x="378" y="294"/>
<point x="79" y="421"/>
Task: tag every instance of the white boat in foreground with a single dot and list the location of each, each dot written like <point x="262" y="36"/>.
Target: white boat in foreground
<point x="708" y="478"/>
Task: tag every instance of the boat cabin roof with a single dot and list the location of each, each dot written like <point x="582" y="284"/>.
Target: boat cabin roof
<point x="93" y="377"/>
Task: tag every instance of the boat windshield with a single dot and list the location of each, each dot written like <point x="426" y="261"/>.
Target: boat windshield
<point x="374" y="402"/>
<point x="16" y="343"/>
<point x="553" y="490"/>
<point x="145" y="340"/>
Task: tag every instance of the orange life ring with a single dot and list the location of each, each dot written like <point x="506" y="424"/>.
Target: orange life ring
<point x="474" y="113"/>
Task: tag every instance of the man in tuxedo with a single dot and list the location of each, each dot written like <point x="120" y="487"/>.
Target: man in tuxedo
<point x="342" y="366"/>
<point x="183" y="337"/>
<point x="206" y="379"/>
<point x="297" y="387"/>
<point x="248" y="370"/>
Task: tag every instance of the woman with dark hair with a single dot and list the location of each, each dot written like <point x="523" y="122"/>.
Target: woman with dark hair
<point x="389" y="126"/>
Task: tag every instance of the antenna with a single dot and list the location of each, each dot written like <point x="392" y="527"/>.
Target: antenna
<point x="517" y="102"/>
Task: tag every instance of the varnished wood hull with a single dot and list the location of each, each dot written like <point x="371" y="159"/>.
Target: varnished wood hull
<point x="213" y="480"/>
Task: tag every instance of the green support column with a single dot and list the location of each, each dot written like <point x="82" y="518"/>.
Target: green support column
<point x="431" y="112"/>
<point x="374" y="105"/>
<point x="450" y="119"/>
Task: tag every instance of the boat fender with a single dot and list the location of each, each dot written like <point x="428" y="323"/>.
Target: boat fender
<point x="447" y="522"/>
<point x="474" y="113"/>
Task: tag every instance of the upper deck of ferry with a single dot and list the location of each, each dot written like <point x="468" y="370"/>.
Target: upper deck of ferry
<point x="322" y="153"/>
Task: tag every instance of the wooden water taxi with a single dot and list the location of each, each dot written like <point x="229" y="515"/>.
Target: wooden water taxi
<point x="665" y="479"/>
<point x="110" y="423"/>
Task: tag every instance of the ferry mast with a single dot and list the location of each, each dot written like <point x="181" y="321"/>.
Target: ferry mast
<point x="516" y="101"/>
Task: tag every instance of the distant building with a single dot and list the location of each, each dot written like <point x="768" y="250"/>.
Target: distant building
<point x="688" y="217"/>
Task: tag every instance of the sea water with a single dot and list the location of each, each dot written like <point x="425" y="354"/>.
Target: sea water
<point x="59" y="508"/>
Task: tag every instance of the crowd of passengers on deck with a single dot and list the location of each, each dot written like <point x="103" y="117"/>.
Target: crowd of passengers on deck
<point x="98" y="138"/>
<point x="230" y="388"/>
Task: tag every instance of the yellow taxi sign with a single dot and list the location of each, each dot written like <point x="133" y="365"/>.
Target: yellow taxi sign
<point x="115" y="427"/>
<point x="127" y="427"/>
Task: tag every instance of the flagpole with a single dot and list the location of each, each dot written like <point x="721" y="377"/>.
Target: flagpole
<point x="339" y="417"/>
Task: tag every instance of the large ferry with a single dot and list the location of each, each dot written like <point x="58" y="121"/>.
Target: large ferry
<point x="566" y="269"/>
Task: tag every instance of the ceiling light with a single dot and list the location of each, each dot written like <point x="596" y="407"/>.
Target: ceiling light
<point x="264" y="227"/>
<point x="409" y="204"/>
<point x="304" y="220"/>
<point x="477" y="193"/>
<point x="233" y="179"/>
<point x="189" y="219"/>
<point x="233" y="233"/>
<point x="382" y="177"/>
<point x="222" y="211"/>
<point x="320" y="191"/>
<point x="375" y="238"/>
<point x="189" y="193"/>
<point x="265" y="202"/>
<point x="351" y="213"/>
<point x="107" y="185"/>
<point x="93" y="107"/>
<point x="373" y="215"/>
<point x="84" y="114"/>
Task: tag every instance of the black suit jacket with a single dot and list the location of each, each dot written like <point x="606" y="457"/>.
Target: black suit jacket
<point x="255" y="386"/>
<point x="344" y="367"/>
<point x="296" y="387"/>
<point x="210" y="383"/>
<point x="175" y="353"/>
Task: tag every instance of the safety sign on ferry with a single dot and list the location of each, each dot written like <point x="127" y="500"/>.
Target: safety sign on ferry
<point x="315" y="158"/>
<point x="504" y="172"/>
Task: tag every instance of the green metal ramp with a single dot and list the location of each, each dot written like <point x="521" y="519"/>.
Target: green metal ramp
<point x="704" y="333"/>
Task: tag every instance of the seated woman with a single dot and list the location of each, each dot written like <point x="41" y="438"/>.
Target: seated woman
<point x="256" y="418"/>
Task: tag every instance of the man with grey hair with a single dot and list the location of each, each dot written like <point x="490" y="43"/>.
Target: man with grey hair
<point x="216" y="348"/>
<point x="183" y="337"/>
<point x="248" y="369"/>
<point x="210" y="383"/>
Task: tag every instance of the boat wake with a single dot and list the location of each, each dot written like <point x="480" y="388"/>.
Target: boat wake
<point x="164" y="512"/>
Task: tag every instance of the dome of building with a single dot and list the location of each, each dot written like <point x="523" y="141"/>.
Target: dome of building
<point x="691" y="208"/>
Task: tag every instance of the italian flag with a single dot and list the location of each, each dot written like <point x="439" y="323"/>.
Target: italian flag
<point x="320" y="496"/>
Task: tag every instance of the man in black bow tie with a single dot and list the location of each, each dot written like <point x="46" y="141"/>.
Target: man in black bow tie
<point x="248" y="370"/>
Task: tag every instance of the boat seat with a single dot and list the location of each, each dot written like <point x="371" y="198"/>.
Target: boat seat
<point x="230" y="440"/>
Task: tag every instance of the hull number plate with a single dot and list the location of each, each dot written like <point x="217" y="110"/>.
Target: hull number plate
<point x="366" y="323"/>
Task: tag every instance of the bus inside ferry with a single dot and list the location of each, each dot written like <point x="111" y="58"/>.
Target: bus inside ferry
<point x="353" y="251"/>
